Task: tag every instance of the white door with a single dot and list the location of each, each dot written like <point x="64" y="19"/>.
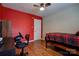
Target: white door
<point x="37" y="29"/>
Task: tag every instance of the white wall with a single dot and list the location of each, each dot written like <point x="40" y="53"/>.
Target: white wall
<point x="65" y="21"/>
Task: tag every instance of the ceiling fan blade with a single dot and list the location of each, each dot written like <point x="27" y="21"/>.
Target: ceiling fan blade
<point x="42" y="4"/>
<point x="47" y="4"/>
<point x="36" y="5"/>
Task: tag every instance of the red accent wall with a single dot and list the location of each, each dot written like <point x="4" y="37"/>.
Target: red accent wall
<point x="21" y="22"/>
<point x="0" y="11"/>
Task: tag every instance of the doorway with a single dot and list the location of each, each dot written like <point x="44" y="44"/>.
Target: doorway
<point x="37" y="29"/>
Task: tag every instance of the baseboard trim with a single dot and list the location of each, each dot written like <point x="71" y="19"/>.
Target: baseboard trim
<point x="29" y="41"/>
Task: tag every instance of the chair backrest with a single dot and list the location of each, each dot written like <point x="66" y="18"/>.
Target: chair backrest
<point x="17" y="39"/>
<point x="27" y="36"/>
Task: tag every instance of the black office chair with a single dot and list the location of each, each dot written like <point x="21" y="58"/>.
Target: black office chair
<point x="20" y="44"/>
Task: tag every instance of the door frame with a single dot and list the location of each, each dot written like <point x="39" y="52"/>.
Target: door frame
<point x="40" y="29"/>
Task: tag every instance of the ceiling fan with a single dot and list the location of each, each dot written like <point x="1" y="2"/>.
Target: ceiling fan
<point x="42" y="6"/>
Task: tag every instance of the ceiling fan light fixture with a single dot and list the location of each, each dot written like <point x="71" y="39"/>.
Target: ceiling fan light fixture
<point x="42" y="8"/>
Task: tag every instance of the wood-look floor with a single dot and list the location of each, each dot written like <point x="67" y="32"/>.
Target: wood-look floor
<point x="37" y="48"/>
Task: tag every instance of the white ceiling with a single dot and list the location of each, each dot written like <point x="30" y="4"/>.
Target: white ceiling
<point x="29" y="8"/>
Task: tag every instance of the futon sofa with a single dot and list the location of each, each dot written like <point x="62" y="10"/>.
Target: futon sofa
<point x="64" y="38"/>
